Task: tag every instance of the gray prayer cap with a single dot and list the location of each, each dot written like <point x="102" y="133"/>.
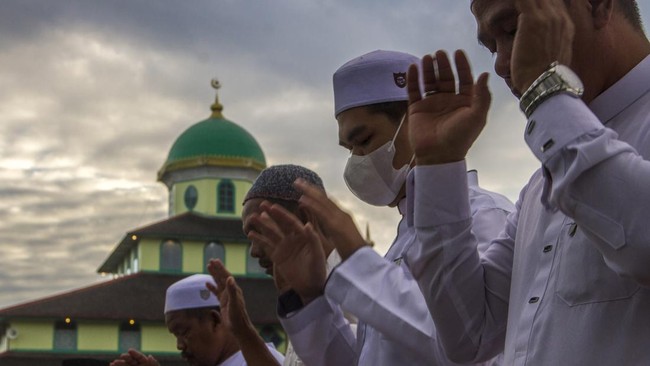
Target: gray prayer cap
<point x="376" y="77"/>
<point x="276" y="182"/>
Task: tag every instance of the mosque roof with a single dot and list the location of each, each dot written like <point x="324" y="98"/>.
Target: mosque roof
<point x="186" y="226"/>
<point x="115" y="300"/>
<point x="215" y="141"/>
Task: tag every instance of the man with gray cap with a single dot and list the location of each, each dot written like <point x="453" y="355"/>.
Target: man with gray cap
<point x="194" y="316"/>
<point x="395" y="327"/>
<point x="274" y="185"/>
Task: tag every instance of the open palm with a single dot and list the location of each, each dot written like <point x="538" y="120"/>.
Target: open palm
<point x="444" y="124"/>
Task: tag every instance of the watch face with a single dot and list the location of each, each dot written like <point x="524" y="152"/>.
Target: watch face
<point x="569" y="77"/>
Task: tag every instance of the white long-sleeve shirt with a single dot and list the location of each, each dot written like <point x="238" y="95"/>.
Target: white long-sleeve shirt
<point x="570" y="273"/>
<point x="395" y="327"/>
<point x="238" y="358"/>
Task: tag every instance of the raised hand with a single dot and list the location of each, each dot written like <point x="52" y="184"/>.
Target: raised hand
<point x="135" y="358"/>
<point x="444" y="123"/>
<point x="233" y="306"/>
<point x="338" y="224"/>
<point x="545" y="34"/>
<point x="295" y="249"/>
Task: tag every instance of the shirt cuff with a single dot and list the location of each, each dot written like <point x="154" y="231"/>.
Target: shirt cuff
<point x="556" y="122"/>
<point x="440" y="194"/>
<point x="301" y="319"/>
<point x="342" y="277"/>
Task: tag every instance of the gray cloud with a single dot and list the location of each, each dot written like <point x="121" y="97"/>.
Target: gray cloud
<point x="94" y="93"/>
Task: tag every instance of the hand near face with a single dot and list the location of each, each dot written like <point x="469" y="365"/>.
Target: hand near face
<point x="295" y="249"/>
<point x="545" y="34"/>
<point x="135" y="358"/>
<point x="338" y="224"/>
<point x="443" y="126"/>
<point x="233" y="306"/>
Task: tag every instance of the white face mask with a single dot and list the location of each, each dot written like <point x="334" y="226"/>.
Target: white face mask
<point x="372" y="177"/>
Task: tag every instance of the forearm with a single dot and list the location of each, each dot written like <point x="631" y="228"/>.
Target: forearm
<point x="253" y="348"/>
<point x="467" y="295"/>
<point x="599" y="181"/>
<point x="383" y="295"/>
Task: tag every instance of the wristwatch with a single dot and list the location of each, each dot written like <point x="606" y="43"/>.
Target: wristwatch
<point x="556" y="79"/>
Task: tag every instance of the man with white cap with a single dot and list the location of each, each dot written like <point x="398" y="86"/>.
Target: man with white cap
<point x="395" y="327"/>
<point x="194" y="316"/>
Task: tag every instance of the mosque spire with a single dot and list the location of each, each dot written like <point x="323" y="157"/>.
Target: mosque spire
<point x="216" y="106"/>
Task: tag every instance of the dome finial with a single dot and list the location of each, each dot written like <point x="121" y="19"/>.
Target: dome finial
<point x="216" y="107"/>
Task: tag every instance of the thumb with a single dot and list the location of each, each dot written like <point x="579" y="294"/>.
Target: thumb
<point x="482" y="96"/>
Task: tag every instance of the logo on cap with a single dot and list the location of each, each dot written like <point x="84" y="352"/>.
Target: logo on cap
<point x="400" y="79"/>
<point x="205" y="294"/>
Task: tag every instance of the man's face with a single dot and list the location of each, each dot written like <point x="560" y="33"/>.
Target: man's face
<point x="497" y="26"/>
<point x="257" y="250"/>
<point x="362" y="132"/>
<point x="199" y="340"/>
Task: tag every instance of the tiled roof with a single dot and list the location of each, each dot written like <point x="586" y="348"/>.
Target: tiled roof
<point x="140" y="296"/>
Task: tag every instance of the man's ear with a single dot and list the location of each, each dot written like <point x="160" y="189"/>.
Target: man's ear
<point x="215" y="317"/>
<point x="601" y="12"/>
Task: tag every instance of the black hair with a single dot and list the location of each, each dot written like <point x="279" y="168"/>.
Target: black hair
<point x="630" y="10"/>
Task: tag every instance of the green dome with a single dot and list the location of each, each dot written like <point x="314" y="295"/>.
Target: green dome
<point x="214" y="141"/>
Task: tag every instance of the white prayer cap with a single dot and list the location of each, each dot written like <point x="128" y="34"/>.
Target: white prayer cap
<point x="376" y="77"/>
<point x="190" y="293"/>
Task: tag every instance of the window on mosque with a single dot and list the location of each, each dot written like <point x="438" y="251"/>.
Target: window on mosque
<point x="129" y="336"/>
<point x="65" y="335"/>
<point x="191" y="197"/>
<point x="171" y="256"/>
<point x="213" y="250"/>
<point x="226" y="196"/>
<point x="252" y="265"/>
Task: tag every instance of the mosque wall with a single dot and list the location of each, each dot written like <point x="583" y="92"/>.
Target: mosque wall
<point x="156" y="338"/>
<point x="32" y="335"/>
<point x="97" y="337"/>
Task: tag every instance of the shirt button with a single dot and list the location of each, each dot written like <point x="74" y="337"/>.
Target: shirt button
<point x="548" y="248"/>
<point x="533" y="300"/>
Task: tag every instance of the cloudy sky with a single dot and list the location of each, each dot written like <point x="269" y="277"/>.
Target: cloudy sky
<point x="94" y="93"/>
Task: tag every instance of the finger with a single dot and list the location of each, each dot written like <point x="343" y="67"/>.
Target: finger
<point x="464" y="70"/>
<point x="287" y="221"/>
<point x="413" y="84"/>
<point x="235" y="292"/>
<point x="482" y="96"/>
<point x="315" y="195"/>
<point x="267" y="227"/>
<point x="259" y="239"/>
<point x="429" y="74"/>
<point x="137" y="356"/>
<point x="446" y="80"/>
<point x="526" y="6"/>
<point x="218" y="272"/>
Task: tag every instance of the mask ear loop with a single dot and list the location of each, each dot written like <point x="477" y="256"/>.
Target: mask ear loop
<point x="392" y="142"/>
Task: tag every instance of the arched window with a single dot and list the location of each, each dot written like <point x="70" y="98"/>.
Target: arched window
<point x="252" y="265"/>
<point x="129" y="335"/>
<point x="65" y="335"/>
<point x="171" y="256"/>
<point x="226" y="196"/>
<point x="213" y="250"/>
<point x="191" y="197"/>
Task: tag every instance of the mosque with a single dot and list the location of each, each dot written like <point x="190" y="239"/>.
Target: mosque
<point x="208" y="171"/>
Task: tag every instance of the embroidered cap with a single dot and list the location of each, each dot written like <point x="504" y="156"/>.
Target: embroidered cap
<point x="376" y="77"/>
<point x="190" y="293"/>
<point x="277" y="182"/>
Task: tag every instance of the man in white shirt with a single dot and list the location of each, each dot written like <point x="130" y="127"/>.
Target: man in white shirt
<point x="203" y="332"/>
<point x="566" y="282"/>
<point x="395" y="327"/>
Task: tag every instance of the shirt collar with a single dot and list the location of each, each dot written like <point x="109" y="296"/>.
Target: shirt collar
<point x="623" y="93"/>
